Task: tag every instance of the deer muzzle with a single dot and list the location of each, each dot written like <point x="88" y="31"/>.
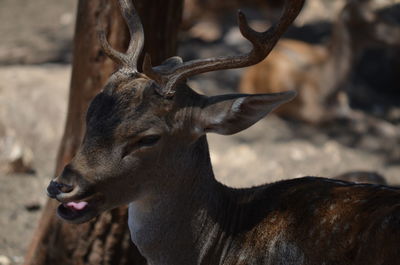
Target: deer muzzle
<point x="78" y="203"/>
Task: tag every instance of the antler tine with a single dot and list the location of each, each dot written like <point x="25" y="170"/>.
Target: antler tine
<point x="135" y="29"/>
<point x="262" y="42"/>
<point x="128" y="60"/>
<point x="115" y="55"/>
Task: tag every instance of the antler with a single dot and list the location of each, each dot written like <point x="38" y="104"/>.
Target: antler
<point x="262" y="42"/>
<point x="128" y="60"/>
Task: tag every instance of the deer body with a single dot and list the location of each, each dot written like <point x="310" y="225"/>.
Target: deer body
<point x="145" y="145"/>
<point x="336" y="223"/>
<point x="319" y="72"/>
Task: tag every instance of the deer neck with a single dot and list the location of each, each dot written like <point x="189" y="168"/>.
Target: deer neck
<point x="341" y="50"/>
<point x="176" y="223"/>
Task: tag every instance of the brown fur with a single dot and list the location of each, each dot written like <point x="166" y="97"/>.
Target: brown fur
<point x="175" y="197"/>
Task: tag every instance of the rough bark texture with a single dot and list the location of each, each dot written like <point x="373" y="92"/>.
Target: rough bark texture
<point x="105" y="240"/>
<point x="161" y="21"/>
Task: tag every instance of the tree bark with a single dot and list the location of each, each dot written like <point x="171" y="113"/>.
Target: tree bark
<point x="105" y="240"/>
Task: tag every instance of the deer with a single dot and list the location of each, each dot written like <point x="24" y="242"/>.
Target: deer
<point x="319" y="73"/>
<point x="145" y="145"/>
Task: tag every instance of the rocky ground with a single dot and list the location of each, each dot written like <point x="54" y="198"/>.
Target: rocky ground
<point x="33" y="98"/>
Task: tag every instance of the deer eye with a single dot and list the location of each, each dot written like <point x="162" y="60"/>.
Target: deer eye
<point x="145" y="141"/>
<point x="148" y="140"/>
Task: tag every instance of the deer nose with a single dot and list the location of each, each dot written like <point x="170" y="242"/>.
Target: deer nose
<point x="56" y="188"/>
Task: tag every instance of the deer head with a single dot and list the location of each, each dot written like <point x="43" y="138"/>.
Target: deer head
<point x="367" y="26"/>
<point x="147" y="130"/>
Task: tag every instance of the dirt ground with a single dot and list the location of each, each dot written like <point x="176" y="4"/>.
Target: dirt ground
<point x="35" y="53"/>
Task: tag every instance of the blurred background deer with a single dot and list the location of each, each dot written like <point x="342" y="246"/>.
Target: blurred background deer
<point x="320" y="72"/>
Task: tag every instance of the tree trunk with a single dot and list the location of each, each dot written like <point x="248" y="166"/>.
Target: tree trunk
<point x="105" y="240"/>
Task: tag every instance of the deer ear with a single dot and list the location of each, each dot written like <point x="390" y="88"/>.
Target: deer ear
<point x="229" y="114"/>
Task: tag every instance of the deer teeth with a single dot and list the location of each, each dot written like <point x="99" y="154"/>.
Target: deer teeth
<point x="77" y="205"/>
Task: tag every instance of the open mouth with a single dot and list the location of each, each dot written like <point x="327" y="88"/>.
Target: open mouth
<point x="76" y="212"/>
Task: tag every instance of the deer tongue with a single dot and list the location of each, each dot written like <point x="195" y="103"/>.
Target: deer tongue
<point x="77" y="205"/>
